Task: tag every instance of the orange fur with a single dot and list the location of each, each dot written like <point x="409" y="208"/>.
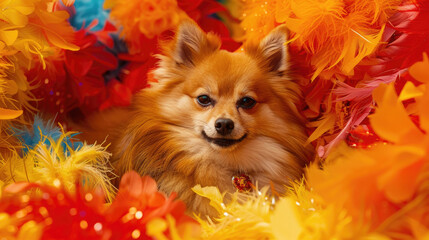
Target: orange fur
<point x="161" y="134"/>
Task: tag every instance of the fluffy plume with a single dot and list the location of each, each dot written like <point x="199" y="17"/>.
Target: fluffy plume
<point x="257" y="18"/>
<point x="88" y="11"/>
<point x="245" y="217"/>
<point x="52" y="156"/>
<point x="336" y="34"/>
<point x="301" y="215"/>
<point x="39" y="134"/>
<point x="158" y="17"/>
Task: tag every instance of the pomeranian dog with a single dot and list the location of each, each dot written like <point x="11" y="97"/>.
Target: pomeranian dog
<point x="211" y="115"/>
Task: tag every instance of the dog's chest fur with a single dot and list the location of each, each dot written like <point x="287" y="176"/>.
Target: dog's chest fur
<point x="262" y="159"/>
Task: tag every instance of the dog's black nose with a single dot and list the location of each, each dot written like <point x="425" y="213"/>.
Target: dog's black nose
<point x="224" y="126"/>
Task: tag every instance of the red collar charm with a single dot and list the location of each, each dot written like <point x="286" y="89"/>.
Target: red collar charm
<point x="242" y="182"/>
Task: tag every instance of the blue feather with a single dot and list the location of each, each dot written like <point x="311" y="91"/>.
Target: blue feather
<point x="87" y="11"/>
<point x="29" y="138"/>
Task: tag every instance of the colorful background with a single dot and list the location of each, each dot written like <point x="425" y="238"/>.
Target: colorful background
<point x="364" y="69"/>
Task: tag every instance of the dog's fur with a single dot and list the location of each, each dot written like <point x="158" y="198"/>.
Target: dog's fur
<point x="161" y="134"/>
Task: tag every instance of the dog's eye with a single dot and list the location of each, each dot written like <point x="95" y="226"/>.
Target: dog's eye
<point x="204" y="100"/>
<point x="246" y="103"/>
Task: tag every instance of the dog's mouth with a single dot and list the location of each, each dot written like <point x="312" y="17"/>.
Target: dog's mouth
<point x="223" y="142"/>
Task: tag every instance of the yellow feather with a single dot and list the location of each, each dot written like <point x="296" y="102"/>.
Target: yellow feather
<point x="301" y="215"/>
<point x="323" y="125"/>
<point x="87" y="165"/>
<point x="245" y="217"/>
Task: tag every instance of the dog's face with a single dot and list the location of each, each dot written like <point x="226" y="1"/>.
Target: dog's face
<point x="227" y="104"/>
<point x="228" y="98"/>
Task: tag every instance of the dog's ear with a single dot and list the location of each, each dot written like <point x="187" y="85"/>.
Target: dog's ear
<point x="272" y="50"/>
<point x="192" y="44"/>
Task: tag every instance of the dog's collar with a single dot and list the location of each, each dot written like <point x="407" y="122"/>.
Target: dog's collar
<point x="242" y="182"/>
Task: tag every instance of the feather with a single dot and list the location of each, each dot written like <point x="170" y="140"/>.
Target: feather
<point x="29" y="30"/>
<point x="285" y="220"/>
<point x="87" y="164"/>
<point x="407" y="38"/>
<point x="40" y="133"/>
<point x="364" y="89"/>
<point x="335" y="34"/>
<point x="388" y="203"/>
<point x="50" y="154"/>
<point x="68" y="3"/>
<point x="410" y="91"/>
<point x="159" y="17"/>
<point x="300" y="215"/>
<point x="389" y="107"/>
<point x="419" y="72"/>
<point x="419" y="69"/>
<point x="257" y="20"/>
<point x="326" y="150"/>
<point x="322" y="126"/>
<point x="381" y="170"/>
<point x="88" y="11"/>
<point x="244" y="217"/>
<point x="55" y="28"/>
